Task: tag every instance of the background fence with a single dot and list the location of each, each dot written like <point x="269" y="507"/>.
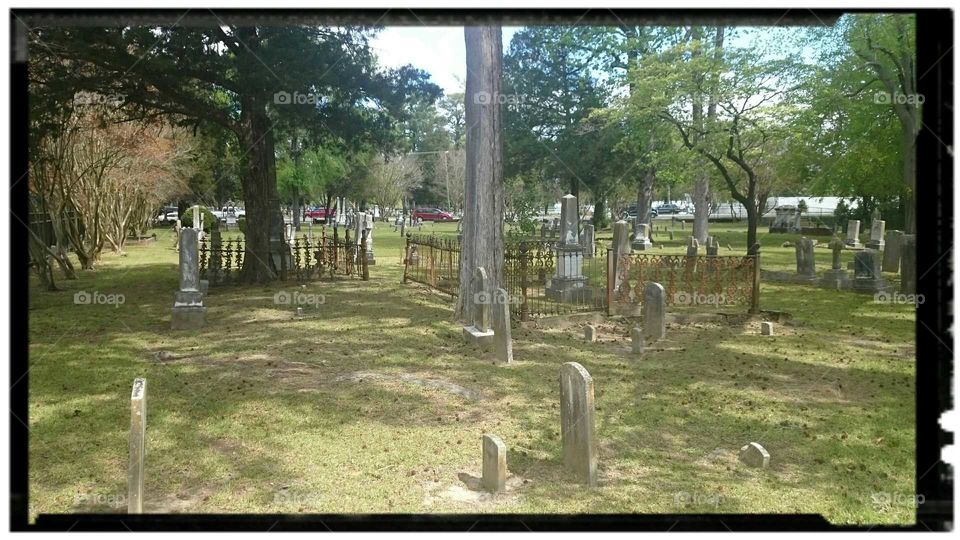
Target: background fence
<point x="529" y="268"/>
<point x="703" y="281"/>
<point x="308" y="258"/>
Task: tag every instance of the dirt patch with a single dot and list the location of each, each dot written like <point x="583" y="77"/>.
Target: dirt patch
<point x="467" y="492"/>
<point x="439" y="384"/>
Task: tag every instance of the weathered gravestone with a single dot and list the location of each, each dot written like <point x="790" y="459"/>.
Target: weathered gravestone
<point x="621" y="247"/>
<point x="641" y="237"/>
<point x="479" y="331"/>
<point x="636" y="340"/>
<point x="654" y="312"/>
<point x="877" y="229"/>
<point x="137" y="448"/>
<point x="577" y="429"/>
<point x="188" y="309"/>
<point x="866" y="271"/>
<point x="806" y="266"/>
<point x="713" y="247"/>
<point x="568" y="283"/>
<point x="494" y="477"/>
<point x="835" y="278"/>
<point x="692" y="247"/>
<point x="853" y="234"/>
<point x="754" y="455"/>
<point x="908" y="264"/>
<point x="587" y="240"/>
<point x="766" y="328"/>
<point x="891" y="251"/>
<point x="503" y="342"/>
<point x="590" y="333"/>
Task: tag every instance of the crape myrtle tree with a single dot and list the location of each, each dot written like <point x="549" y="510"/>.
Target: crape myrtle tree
<point x="245" y="79"/>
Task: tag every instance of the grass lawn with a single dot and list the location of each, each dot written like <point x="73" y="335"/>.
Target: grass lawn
<point x="373" y="403"/>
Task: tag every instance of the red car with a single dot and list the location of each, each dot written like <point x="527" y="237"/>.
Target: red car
<point x="319" y="215"/>
<point x="432" y="214"/>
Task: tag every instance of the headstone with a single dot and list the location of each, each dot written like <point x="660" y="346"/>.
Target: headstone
<point x="590" y="333"/>
<point x="853" y="234"/>
<point x="197" y="217"/>
<point x="641" y="239"/>
<point x="835" y="278"/>
<point x="587" y="241"/>
<point x="806" y="266"/>
<point x="654" y="312"/>
<point x="671" y="234"/>
<point x="137" y="450"/>
<point x="908" y="264"/>
<point x="188" y="310"/>
<point x="713" y="247"/>
<point x="891" y="251"/>
<point x="692" y="247"/>
<point x="299" y="312"/>
<point x="866" y="271"/>
<point x="494" y="477"/>
<point x="368" y="226"/>
<point x="636" y="340"/>
<point x="577" y="429"/>
<point x="755" y="455"/>
<point x="543" y="231"/>
<point x="877" y="229"/>
<point x="479" y="331"/>
<point x="503" y="341"/>
<point x="621" y="247"/>
<point x="766" y="328"/>
<point x="568" y="283"/>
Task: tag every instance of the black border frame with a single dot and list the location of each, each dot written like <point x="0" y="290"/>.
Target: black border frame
<point x="934" y="478"/>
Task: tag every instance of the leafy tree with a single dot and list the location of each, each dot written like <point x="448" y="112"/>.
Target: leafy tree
<point x="245" y="79"/>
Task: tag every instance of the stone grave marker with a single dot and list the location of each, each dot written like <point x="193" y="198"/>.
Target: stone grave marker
<point x="853" y="234"/>
<point x="568" y="283"/>
<point x="641" y="239"/>
<point x="587" y="240"/>
<point x="137" y="441"/>
<point x="836" y="277"/>
<point x="590" y="333"/>
<point x="494" y="477"/>
<point x="766" y="328"/>
<point x="755" y="455"/>
<point x="636" y="340"/>
<point x="891" y="251"/>
<point x="577" y="428"/>
<point x="503" y="341"/>
<point x="479" y="331"/>
<point x="654" y="312"/>
<point x="908" y="264"/>
<point x="806" y="266"/>
<point x="188" y="310"/>
<point x="877" y="229"/>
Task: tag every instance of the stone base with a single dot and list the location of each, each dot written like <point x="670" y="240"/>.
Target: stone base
<point x="188" y="299"/>
<point x="835" y="279"/>
<point x="475" y="336"/>
<point x="869" y="285"/>
<point x="876" y="244"/>
<point x="641" y="246"/>
<point x="188" y="317"/>
<point x="569" y="290"/>
<point x="852" y="245"/>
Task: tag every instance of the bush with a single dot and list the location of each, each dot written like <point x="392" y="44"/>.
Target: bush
<point x="209" y="220"/>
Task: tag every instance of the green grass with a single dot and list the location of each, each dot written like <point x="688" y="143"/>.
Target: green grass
<point x="261" y="412"/>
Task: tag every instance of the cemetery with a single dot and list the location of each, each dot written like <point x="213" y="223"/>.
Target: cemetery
<point x="418" y="314"/>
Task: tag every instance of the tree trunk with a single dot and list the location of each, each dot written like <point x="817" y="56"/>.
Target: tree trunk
<point x="482" y="244"/>
<point x="599" y="213"/>
<point x="701" y="210"/>
<point x="259" y="182"/>
<point x="298" y="209"/>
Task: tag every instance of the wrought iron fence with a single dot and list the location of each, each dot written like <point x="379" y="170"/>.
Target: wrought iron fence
<point x="530" y="275"/>
<point x="307" y="258"/>
<point x="708" y="281"/>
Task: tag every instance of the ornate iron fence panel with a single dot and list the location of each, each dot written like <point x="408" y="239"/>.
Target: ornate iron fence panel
<point x="310" y="258"/>
<point x="530" y="272"/>
<point x="702" y="281"/>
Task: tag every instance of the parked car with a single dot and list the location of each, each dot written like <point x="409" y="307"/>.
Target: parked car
<point x="632" y="211"/>
<point x="168" y="214"/>
<point x="669" y="208"/>
<point x="319" y="214"/>
<point x="432" y="214"/>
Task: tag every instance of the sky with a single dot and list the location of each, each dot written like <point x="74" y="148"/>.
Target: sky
<point x="439" y="50"/>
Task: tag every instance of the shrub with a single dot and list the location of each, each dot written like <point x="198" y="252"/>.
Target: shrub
<point x="209" y="220"/>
